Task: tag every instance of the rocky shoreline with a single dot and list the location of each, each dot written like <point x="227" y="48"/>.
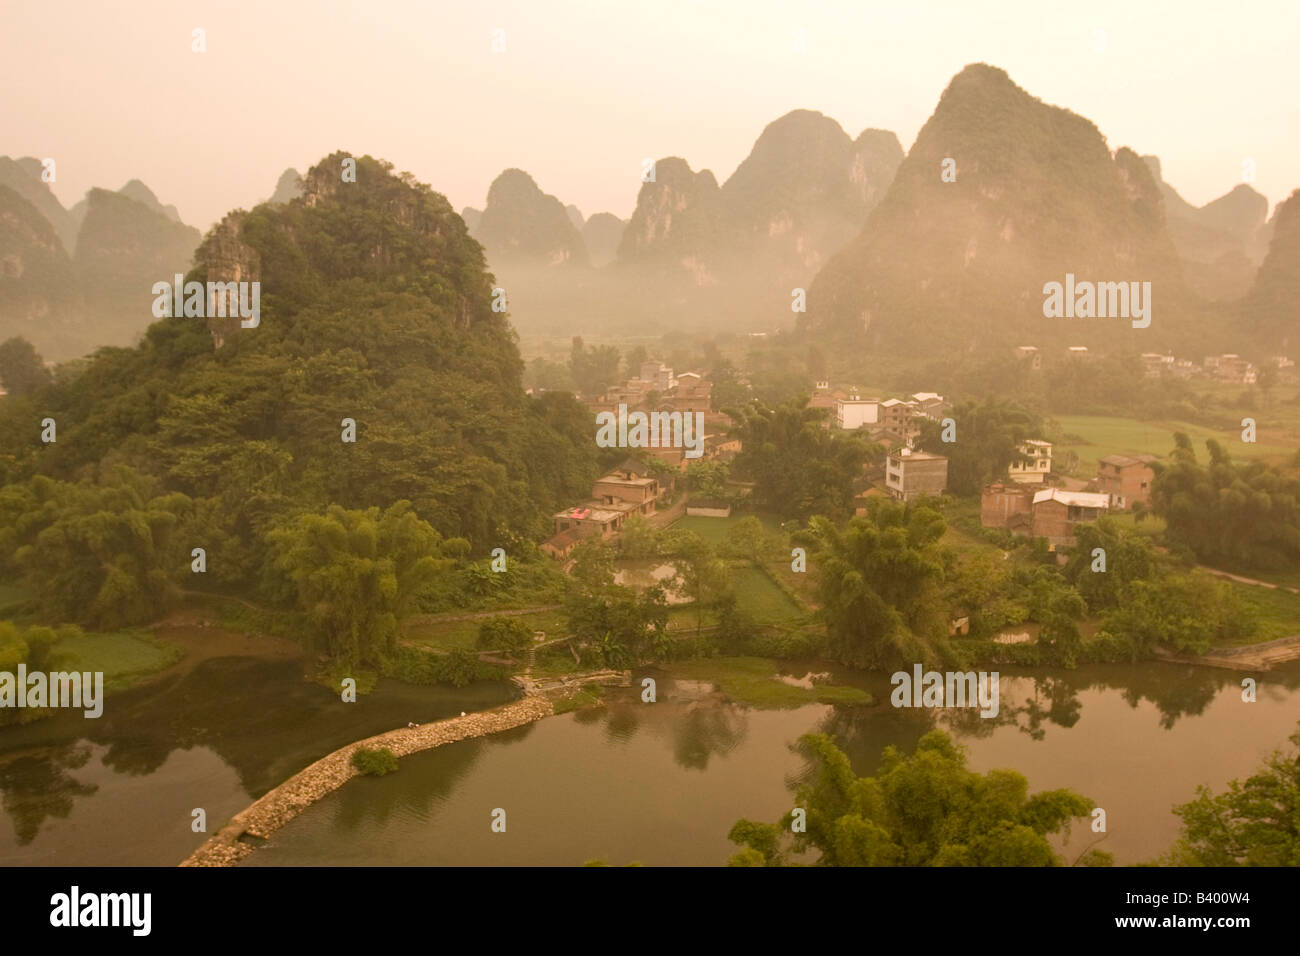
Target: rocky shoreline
<point x="277" y="807"/>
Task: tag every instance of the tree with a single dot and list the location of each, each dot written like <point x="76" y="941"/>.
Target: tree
<point x="708" y="478"/>
<point x="593" y="370"/>
<point x="21" y="369"/>
<point x="799" y="467"/>
<point x="639" y="539"/>
<point x="701" y="574"/>
<point x="1189" y="613"/>
<point x="988" y="436"/>
<point x="1129" y="557"/>
<point x="1255" y="823"/>
<point x="103" y="554"/>
<point x="504" y="634"/>
<point x="1228" y="514"/>
<point x="877" y="580"/>
<point x="356" y="574"/>
<point x="927" y="809"/>
<point x="748" y="539"/>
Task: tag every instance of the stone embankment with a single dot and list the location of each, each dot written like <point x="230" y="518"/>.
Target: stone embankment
<point x="1248" y="657"/>
<point x="279" y="806"/>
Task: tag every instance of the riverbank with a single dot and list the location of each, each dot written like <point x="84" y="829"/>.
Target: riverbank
<point x="1248" y="657"/>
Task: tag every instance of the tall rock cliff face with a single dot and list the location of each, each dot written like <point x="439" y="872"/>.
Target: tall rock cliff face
<point x="472" y="219"/>
<point x="224" y="256"/>
<point x="23" y="176"/>
<point x="38" y="289"/>
<point x="806" y="188"/>
<point x="962" y="264"/>
<point x="124" y="247"/>
<point x="678" y="221"/>
<point x="804" y="191"/>
<point x="1221" y="243"/>
<point x="1271" y="312"/>
<point x="523" y="225"/>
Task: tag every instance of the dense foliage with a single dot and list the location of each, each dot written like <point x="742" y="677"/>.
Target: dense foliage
<point x="1252" y="823"/>
<point x="375" y="307"/>
<point x="1238" y="515"/>
<point x="799" y="467"/>
<point x="927" y="809"/>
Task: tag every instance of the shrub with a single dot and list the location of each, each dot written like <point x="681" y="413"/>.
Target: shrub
<point x="374" y="763"/>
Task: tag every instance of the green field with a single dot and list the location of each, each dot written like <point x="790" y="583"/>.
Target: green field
<point x="760" y="598"/>
<point x="451" y="634"/>
<point x="1127" y="436"/>
<point x="123" y="656"/>
<point x="713" y="531"/>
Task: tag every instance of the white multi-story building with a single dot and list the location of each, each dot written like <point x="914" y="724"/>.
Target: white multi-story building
<point x="857" y="412"/>
<point x="1039" y="465"/>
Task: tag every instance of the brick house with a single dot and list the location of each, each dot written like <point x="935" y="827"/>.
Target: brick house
<point x="1049" y="513"/>
<point x="1125" y="479"/>
<point x="1056" y="512"/>
<point x="1007" y="504"/>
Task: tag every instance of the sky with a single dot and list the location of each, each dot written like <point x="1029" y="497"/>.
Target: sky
<point x="584" y="91"/>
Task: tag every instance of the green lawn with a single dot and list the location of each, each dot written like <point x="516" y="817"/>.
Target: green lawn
<point x="1127" y="436"/>
<point x="123" y="656"/>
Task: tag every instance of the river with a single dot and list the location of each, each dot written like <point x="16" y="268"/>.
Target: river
<point x="656" y="783"/>
<point x="120" y="790"/>
<point x="663" y="783"/>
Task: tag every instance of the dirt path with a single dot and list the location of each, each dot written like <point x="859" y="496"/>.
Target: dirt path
<point x="478" y="615"/>
<point x="1240" y="579"/>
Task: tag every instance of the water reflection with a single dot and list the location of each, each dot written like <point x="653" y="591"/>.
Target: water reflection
<point x="242" y="725"/>
<point x="38" y="786"/>
<point x="663" y="783"/>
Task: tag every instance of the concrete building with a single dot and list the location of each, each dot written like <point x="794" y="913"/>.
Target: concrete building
<point x="1038" y="466"/>
<point x="658" y="375"/>
<point x="1126" y="480"/>
<point x="928" y="404"/>
<point x="856" y="412"/>
<point x="896" y="416"/>
<point x="911" y="474"/>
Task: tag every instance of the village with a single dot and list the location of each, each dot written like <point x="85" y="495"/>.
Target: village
<point x="1030" y="500"/>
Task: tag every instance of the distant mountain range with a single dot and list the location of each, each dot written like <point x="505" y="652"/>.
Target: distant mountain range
<point x="90" y="284"/>
<point x="948" y="247"/>
<point x="955" y="263"/>
<point x="74" y="279"/>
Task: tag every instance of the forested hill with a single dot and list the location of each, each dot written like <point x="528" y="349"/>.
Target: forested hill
<point x="375" y="306"/>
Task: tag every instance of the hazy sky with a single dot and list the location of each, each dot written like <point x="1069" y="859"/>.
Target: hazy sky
<point x="584" y="90"/>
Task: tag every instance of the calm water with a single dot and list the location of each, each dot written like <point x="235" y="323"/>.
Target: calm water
<point x="120" y="790"/>
<point x="663" y="783"/>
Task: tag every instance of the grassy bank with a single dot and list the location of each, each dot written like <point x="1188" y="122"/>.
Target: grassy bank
<point x="756" y="681"/>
